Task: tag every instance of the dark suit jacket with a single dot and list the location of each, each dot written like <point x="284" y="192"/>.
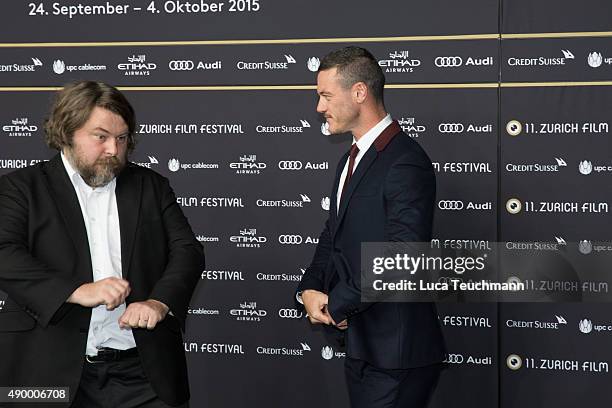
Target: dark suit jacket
<point x="44" y="257"/>
<point x="390" y="197"/>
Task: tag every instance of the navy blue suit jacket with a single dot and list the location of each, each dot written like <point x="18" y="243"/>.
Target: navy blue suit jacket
<point x="390" y="198"/>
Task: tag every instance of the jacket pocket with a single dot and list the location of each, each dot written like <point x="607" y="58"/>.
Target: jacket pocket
<point x="15" y="320"/>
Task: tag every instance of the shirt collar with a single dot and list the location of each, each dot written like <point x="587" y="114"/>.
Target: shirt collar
<point x="370" y="136"/>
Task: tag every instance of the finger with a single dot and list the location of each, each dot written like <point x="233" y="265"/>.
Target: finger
<point x="322" y="318"/>
<point x="111" y="296"/>
<point x="111" y="305"/>
<point x="124" y="324"/>
<point x="313" y="320"/>
<point x="124" y="284"/>
<point x="124" y="296"/>
<point x="327" y="316"/>
<point x="316" y="315"/>
<point x="120" y="289"/>
<point x="134" y="320"/>
<point x="124" y="287"/>
<point x="124" y="320"/>
<point x="151" y="323"/>
<point x="143" y="322"/>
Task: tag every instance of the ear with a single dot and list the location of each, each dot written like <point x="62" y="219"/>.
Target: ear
<point x="359" y="92"/>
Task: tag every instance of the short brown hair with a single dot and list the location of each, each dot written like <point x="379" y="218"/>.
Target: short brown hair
<point x="73" y="106"/>
<point x="356" y="64"/>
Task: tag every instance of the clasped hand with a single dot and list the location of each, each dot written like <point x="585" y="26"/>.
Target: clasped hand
<point x="112" y="292"/>
<point x="315" y="303"/>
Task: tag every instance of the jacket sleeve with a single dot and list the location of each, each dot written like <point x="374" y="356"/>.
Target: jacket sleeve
<point x="185" y="258"/>
<point x="36" y="288"/>
<point x="314" y="277"/>
<point x="410" y="192"/>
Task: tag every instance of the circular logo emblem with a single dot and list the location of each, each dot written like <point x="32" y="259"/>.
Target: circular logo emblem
<point x="290" y="239"/>
<point x="514" y="280"/>
<point x="290" y="165"/>
<point x="454" y="205"/>
<point x="290" y="313"/>
<point x="448" y="62"/>
<point x="450" y="127"/>
<point x="514" y="362"/>
<point x="514" y="206"/>
<point x="181" y="65"/>
<point x="514" y="128"/>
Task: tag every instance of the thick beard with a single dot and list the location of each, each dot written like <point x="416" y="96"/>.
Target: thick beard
<point x="99" y="174"/>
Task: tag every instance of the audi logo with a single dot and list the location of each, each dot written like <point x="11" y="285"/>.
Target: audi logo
<point x="450" y="127"/>
<point x="290" y="165"/>
<point x="181" y="65"/>
<point x="290" y="239"/>
<point x="290" y="314"/>
<point x="448" y="62"/>
<point x="450" y="205"/>
<point x="454" y="359"/>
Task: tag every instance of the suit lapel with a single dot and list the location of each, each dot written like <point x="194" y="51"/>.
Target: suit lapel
<point x="128" y="193"/>
<point x="367" y="160"/>
<point x="364" y="164"/>
<point x="67" y="202"/>
<point x="334" y="198"/>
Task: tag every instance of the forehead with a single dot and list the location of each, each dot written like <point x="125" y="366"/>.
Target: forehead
<point x="105" y="119"/>
<point x="327" y="80"/>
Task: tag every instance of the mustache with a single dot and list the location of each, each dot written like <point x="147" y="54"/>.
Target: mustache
<point x="112" y="160"/>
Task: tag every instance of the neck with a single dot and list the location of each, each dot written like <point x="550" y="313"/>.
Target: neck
<point x="368" y="120"/>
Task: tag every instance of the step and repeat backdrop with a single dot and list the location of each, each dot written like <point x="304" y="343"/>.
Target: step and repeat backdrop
<point x="511" y="100"/>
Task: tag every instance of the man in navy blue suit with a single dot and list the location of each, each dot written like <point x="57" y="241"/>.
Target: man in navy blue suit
<point x="384" y="191"/>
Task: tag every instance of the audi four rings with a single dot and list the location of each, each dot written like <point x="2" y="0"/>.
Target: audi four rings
<point x="454" y="359"/>
<point x="450" y="127"/>
<point x="448" y="62"/>
<point x="290" y="165"/>
<point x="450" y="205"/>
<point x="181" y="65"/>
<point x="290" y="239"/>
<point x="290" y="313"/>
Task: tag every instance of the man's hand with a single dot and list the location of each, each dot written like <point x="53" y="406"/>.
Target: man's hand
<point x="109" y="291"/>
<point x="143" y="314"/>
<point x="315" y="303"/>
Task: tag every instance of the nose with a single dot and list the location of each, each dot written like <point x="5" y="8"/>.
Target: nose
<point x="321" y="108"/>
<point x="110" y="146"/>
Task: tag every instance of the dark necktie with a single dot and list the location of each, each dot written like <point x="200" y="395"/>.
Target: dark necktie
<point x="352" y="155"/>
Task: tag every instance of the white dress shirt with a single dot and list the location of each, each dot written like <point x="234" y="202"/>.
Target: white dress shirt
<point x="364" y="143"/>
<point x="99" y="209"/>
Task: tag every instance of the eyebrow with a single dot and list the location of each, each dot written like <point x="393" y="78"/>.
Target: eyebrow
<point x="99" y="128"/>
<point x="102" y="129"/>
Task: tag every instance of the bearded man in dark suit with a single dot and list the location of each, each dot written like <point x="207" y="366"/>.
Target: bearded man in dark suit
<point x="98" y="263"/>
